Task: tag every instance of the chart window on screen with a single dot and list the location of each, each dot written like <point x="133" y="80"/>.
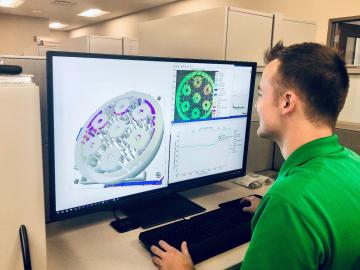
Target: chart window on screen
<point x="129" y="125"/>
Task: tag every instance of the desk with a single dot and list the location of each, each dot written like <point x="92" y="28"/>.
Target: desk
<point x="89" y="243"/>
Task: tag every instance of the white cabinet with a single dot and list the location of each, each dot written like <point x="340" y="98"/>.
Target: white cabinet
<point x="225" y="33"/>
<point x="248" y="35"/>
<point x="100" y="44"/>
<point x="194" y="35"/>
<point x="220" y="33"/>
<point x="292" y="31"/>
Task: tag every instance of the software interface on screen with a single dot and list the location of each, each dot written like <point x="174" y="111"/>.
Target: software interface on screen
<point x="123" y="127"/>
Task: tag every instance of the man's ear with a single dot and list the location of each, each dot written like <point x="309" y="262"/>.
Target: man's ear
<point x="288" y="102"/>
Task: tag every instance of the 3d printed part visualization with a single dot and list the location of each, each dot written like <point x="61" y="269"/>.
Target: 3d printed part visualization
<point x="119" y="141"/>
<point x="194" y="95"/>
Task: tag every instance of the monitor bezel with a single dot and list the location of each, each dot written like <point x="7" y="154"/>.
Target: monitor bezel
<point x="175" y="187"/>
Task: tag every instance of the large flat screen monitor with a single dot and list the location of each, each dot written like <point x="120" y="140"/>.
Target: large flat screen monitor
<point x="122" y="128"/>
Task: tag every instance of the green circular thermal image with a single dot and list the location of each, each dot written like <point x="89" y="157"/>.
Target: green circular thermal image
<point x="194" y="95"/>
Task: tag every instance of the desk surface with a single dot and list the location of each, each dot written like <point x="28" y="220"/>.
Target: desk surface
<point x="90" y="243"/>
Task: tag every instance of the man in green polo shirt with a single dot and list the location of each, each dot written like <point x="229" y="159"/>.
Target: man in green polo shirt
<point x="310" y="218"/>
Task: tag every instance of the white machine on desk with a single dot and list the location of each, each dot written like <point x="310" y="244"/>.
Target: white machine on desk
<point x="253" y="180"/>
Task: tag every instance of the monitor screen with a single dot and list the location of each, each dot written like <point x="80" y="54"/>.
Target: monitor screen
<point x="122" y="126"/>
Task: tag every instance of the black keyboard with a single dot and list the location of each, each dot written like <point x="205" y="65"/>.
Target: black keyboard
<point x="207" y="234"/>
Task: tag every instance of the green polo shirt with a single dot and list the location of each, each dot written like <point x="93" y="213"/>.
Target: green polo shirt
<point x="310" y="218"/>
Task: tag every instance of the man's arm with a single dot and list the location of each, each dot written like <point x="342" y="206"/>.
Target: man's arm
<point x="282" y="239"/>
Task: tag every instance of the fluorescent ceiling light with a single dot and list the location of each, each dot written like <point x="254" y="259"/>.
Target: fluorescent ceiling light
<point x="57" y="25"/>
<point x="94" y="12"/>
<point x="11" y="3"/>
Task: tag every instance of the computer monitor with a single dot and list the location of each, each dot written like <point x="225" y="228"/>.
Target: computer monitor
<point x="127" y="128"/>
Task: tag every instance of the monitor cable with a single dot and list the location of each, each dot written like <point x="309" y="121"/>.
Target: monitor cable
<point x="25" y="248"/>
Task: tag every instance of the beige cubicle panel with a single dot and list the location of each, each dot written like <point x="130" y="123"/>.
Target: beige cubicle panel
<point x="199" y="35"/>
<point x="21" y="195"/>
<point x="100" y="44"/>
<point x="248" y="35"/>
<point x="349" y="136"/>
<point x="36" y="66"/>
<point x="292" y="31"/>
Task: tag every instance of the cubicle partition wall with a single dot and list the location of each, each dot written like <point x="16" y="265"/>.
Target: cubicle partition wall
<point x="349" y="136"/>
<point x="37" y="67"/>
<point x="22" y="200"/>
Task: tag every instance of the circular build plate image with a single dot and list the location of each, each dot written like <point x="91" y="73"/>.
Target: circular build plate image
<point x="119" y="140"/>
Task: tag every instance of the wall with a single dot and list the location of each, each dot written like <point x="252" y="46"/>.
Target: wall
<point x="318" y="11"/>
<point x="58" y="35"/>
<point x="17" y="33"/>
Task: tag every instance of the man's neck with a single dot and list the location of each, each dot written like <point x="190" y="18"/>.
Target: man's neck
<point x="298" y="135"/>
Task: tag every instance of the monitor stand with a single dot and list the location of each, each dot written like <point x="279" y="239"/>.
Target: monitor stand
<point x="149" y="212"/>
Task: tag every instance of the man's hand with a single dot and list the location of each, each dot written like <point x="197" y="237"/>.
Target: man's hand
<point x="170" y="258"/>
<point x="255" y="201"/>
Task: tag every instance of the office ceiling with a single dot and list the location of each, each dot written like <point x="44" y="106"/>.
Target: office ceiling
<point x="65" y="11"/>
